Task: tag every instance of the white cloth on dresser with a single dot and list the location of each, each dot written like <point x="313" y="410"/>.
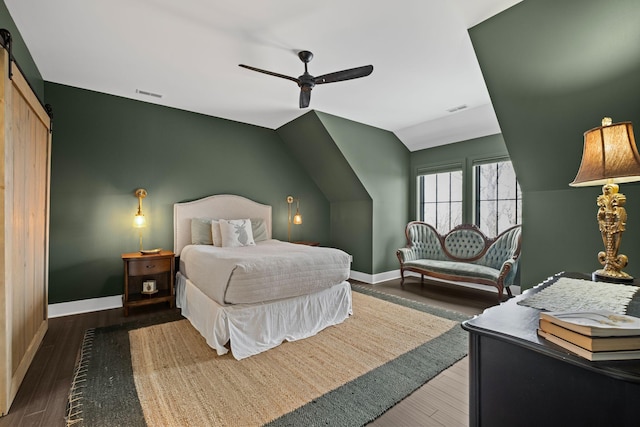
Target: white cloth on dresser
<point x="568" y="294"/>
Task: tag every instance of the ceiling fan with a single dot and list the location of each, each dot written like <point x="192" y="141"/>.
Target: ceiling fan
<point x="306" y="81"/>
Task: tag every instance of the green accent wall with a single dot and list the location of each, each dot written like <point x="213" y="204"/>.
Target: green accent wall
<point x="363" y="171"/>
<point x="381" y="162"/>
<point x="461" y="154"/>
<point x="350" y="203"/>
<point x="553" y="70"/>
<point x="356" y="183"/>
<point x="104" y="147"/>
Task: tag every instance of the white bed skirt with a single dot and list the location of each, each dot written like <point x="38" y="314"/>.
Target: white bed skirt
<point x="254" y="328"/>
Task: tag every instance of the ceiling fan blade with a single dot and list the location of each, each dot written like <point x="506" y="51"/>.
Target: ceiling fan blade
<point x="338" y="76"/>
<point x="271" y="73"/>
<point x="305" y="96"/>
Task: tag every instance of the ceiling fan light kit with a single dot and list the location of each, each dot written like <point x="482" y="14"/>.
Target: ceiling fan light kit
<point x="306" y="81"/>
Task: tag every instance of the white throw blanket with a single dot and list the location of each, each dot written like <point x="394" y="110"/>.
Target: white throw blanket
<point x="568" y="294"/>
<point x="268" y="271"/>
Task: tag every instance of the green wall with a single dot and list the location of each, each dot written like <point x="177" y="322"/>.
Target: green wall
<point x="351" y="208"/>
<point x="381" y="162"/>
<point x="104" y="147"/>
<point x="553" y="70"/>
<point x="462" y="154"/>
<point x="356" y="183"/>
<point x="363" y="171"/>
<point x="21" y="53"/>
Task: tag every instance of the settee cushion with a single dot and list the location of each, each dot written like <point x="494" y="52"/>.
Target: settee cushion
<point x="455" y="268"/>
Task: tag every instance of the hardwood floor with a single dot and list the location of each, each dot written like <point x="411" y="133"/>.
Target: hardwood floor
<point x="41" y="400"/>
<point x="443" y="401"/>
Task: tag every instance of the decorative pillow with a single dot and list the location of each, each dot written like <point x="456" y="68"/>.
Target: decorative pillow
<point x="236" y="232"/>
<point x="259" y="229"/>
<point x="201" y="231"/>
<point x="215" y="233"/>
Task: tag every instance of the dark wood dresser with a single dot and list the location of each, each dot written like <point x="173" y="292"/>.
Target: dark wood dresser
<point x="519" y="379"/>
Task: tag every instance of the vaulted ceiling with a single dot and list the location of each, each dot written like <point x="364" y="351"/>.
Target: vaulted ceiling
<point x="426" y="85"/>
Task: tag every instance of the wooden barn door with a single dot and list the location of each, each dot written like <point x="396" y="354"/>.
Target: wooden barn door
<point x="25" y="151"/>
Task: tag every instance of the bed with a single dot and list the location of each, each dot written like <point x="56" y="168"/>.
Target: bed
<point x="249" y="299"/>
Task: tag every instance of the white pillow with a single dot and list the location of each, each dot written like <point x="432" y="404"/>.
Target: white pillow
<point x="216" y="237"/>
<point x="236" y="232"/>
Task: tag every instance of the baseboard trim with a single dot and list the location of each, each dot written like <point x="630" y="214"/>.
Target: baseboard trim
<point x="372" y="279"/>
<point x="84" y="306"/>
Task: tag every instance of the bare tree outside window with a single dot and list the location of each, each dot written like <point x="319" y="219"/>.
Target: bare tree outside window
<point x="441" y="199"/>
<point x="498" y="199"/>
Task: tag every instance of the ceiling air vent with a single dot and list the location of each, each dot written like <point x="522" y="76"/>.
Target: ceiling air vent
<point x="458" y="108"/>
<point x="144" y="92"/>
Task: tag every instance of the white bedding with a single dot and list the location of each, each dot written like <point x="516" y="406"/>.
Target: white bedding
<point x="252" y="329"/>
<point x="268" y="271"/>
<point x="323" y="294"/>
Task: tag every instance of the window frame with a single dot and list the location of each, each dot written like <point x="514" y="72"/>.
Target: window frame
<point x="444" y="168"/>
<point x="475" y="172"/>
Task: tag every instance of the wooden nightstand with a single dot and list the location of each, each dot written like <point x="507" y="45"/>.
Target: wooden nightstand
<point x="304" y="242"/>
<point x="140" y="268"/>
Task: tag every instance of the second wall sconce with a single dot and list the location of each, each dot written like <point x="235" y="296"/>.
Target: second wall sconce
<point x="297" y="218"/>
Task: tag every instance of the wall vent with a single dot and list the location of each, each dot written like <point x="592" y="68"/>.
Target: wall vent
<point x="458" y="108"/>
<point x="144" y="92"/>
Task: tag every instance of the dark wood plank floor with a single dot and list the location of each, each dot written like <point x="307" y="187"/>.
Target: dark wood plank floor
<point x="42" y="398"/>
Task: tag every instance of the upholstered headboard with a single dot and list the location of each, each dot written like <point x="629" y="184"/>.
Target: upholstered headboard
<point x="226" y="206"/>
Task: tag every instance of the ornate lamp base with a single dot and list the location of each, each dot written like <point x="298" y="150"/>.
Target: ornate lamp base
<point x="604" y="276"/>
<point x="612" y="220"/>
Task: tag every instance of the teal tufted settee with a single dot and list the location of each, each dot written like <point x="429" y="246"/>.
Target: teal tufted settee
<point x="464" y="254"/>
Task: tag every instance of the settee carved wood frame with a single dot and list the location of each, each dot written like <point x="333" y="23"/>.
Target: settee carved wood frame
<point x="505" y="269"/>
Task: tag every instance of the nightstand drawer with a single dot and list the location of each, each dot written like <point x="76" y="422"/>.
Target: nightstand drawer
<point x="151" y="266"/>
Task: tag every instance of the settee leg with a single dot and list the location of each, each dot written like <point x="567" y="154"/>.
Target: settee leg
<point x="401" y="278"/>
<point x="422" y="280"/>
<point x="501" y="293"/>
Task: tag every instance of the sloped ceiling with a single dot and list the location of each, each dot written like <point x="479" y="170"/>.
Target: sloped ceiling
<point x="188" y="52"/>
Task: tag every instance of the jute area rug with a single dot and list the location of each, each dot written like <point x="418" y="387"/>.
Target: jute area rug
<point x="164" y="374"/>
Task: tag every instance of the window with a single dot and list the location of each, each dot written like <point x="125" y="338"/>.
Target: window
<point x="485" y="193"/>
<point x="440" y="199"/>
<point x="498" y="199"/>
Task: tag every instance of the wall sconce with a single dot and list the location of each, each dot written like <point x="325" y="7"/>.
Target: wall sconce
<point x="297" y="218"/>
<point x="609" y="157"/>
<point x="139" y="220"/>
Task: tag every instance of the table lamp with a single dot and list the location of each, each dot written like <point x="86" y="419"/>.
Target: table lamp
<point x="610" y="157"/>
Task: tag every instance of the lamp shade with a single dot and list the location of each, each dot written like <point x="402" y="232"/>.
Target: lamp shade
<point x="609" y="155"/>
<point x="139" y="221"/>
<point x="297" y="218"/>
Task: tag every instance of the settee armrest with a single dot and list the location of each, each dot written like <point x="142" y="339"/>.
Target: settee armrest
<point x="406" y="255"/>
<point x="505" y="249"/>
<point x="508" y="271"/>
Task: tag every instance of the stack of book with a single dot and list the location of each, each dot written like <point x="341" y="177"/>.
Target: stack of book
<point x="594" y="335"/>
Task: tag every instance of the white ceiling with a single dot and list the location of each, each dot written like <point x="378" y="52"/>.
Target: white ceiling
<point x="189" y="50"/>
